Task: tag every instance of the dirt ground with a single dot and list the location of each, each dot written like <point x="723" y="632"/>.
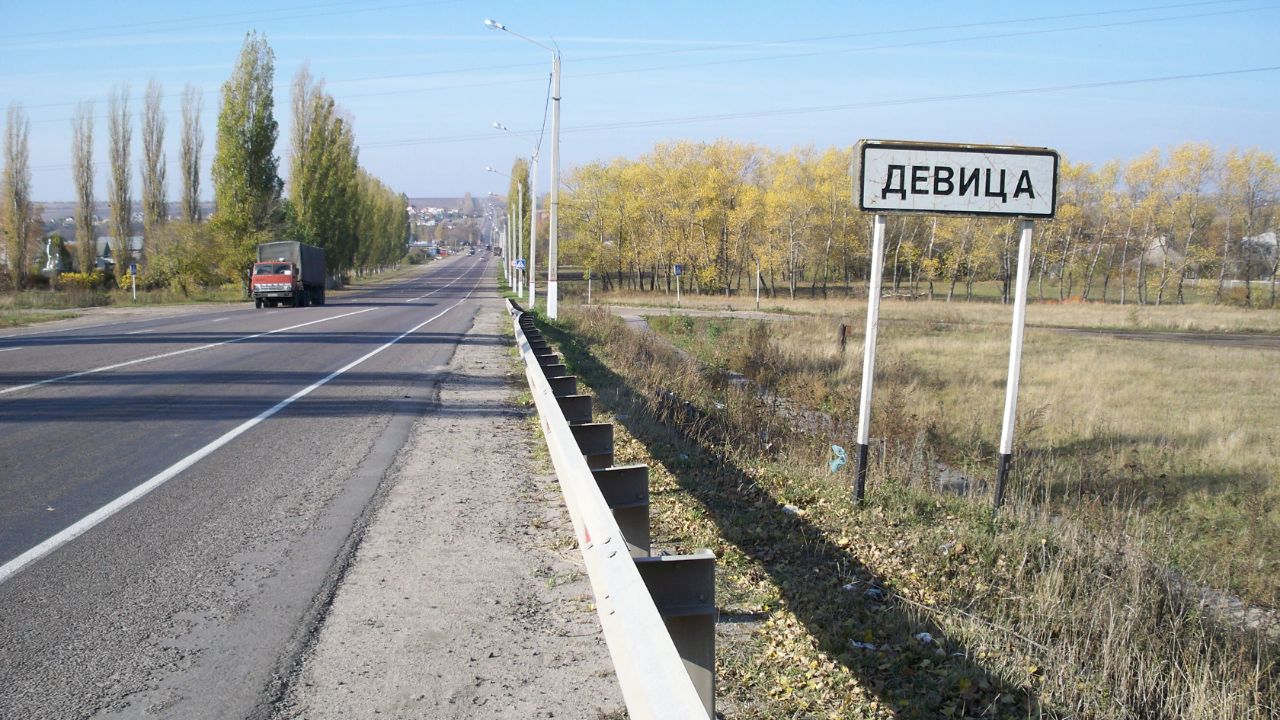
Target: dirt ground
<point x="467" y="597"/>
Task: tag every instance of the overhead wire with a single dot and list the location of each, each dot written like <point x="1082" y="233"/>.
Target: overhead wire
<point x="786" y="56"/>
<point x="847" y="106"/>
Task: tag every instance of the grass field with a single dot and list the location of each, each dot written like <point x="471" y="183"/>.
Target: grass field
<point x="1185" y="432"/>
<point x="1064" y="605"/>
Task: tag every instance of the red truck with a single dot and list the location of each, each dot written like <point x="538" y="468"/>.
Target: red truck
<point x="288" y="272"/>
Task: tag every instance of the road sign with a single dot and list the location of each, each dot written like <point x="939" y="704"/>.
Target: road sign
<point x="679" y="269"/>
<point x="911" y="177"/>
<point x="520" y="264"/>
<point x="133" y="268"/>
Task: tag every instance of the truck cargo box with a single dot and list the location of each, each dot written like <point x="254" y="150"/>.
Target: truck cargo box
<point x="308" y="258"/>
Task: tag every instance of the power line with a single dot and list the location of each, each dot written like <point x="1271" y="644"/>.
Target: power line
<point x="776" y="112"/>
<point x="829" y="51"/>
<point x="233" y="23"/>
<point x="198" y="18"/>
<point x="921" y="43"/>
<point x="693" y="119"/>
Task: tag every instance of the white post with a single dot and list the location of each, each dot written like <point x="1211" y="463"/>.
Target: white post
<point x="588" y="289"/>
<point x="553" y="289"/>
<point x="519" y="238"/>
<point x="1015" y="360"/>
<point x="677" y="289"/>
<point x="869" y="357"/>
<point x="533" y="234"/>
<point x="134" y="274"/>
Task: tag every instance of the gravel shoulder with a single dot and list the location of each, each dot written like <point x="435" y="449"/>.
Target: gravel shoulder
<point x="466" y="597"/>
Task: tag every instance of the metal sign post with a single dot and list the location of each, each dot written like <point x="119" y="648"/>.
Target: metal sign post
<point x="679" y="270"/>
<point x="1015" y="360"/>
<point x="133" y="273"/>
<point x="869" y="357"/>
<point x="970" y="180"/>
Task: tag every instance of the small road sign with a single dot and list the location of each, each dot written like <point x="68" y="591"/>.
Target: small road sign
<point x="520" y="264"/>
<point x="679" y="269"/>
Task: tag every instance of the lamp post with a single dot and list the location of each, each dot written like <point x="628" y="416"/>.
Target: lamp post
<point x="552" y="255"/>
<point x="533" y="213"/>
<point x="519" y="225"/>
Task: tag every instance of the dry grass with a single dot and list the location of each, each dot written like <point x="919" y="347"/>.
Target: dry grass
<point x="1179" y="318"/>
<point x="1032" y="614"/>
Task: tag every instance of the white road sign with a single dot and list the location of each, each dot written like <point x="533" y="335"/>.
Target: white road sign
<point x="932" y="178"/>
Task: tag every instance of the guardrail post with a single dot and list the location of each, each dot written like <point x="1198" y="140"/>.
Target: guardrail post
<point x="683" y="588"/>
<point x="576" y="408"/>
<point x="626" y="491"/>
<point x="595" y="440"/>
<point x="563" y="385"/>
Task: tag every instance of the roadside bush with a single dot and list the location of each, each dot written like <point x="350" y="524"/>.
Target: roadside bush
<point x="92" y="280"/>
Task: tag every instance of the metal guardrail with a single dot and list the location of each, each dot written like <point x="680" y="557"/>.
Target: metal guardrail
<point x="658" y="612"/>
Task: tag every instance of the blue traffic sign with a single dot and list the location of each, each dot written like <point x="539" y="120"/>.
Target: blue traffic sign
<point x="679" y="269"/>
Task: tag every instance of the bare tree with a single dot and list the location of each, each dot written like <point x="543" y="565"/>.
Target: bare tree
<point x="120" y="131"/>
<point x="15" y="189"/>
<point x="192" y="142"/>
<point x="155" y="209"/>
<point x="82" y="169"/>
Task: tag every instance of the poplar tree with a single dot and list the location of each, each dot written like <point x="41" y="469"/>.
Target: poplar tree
<point x="155" y="209"/>
<point x="82" y="170"/>
<point x="246" y="182"/>
<point x="192" y="144"/>
<point x="120" y="130"/>
<point x="15" y="189"/>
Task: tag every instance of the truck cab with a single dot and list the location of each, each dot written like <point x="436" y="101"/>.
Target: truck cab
<point x="275" y="281"/>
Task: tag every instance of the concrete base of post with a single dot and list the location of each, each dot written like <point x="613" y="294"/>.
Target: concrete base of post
<point x="553" y="298"/>
<point x="1001" y="476"/>
<point x="860" y="478"/>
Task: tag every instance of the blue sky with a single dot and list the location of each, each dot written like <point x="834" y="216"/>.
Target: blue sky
<point x="424" y="81"/>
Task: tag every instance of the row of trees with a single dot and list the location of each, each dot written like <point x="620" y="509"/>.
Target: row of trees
<point x="1134" y="231"/>
<point x="332" y="201"/>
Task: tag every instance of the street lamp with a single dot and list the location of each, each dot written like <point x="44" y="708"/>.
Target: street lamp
<point x="518" y="225"/>
<point x="533" y="214"/>
<point x="552" y="285"/>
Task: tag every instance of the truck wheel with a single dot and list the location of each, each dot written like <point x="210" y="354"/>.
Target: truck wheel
<point x="320" y="294"/>
<point x="300" y="300"/>
<point x="257" y="303"/>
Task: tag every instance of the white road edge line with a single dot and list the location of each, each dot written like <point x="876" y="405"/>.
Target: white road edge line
<point x="149" y="358"/>
<point x="83" y="525"/>
<point x="12" y="348"/>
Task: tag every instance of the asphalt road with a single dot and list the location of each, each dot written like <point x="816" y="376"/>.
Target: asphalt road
<point x="178" y="496"/>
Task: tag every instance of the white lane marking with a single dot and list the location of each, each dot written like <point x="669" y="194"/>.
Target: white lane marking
<point x="433" y="292"/>
<point x="219" y="319"/>
<point x="87" y="522"/>
<point x="140" y="332"/>
<point x="12" y="348"/>
<point x="149" y="358"/>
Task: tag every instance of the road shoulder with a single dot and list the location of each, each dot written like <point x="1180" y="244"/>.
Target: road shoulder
<point x="466" y="598"/>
